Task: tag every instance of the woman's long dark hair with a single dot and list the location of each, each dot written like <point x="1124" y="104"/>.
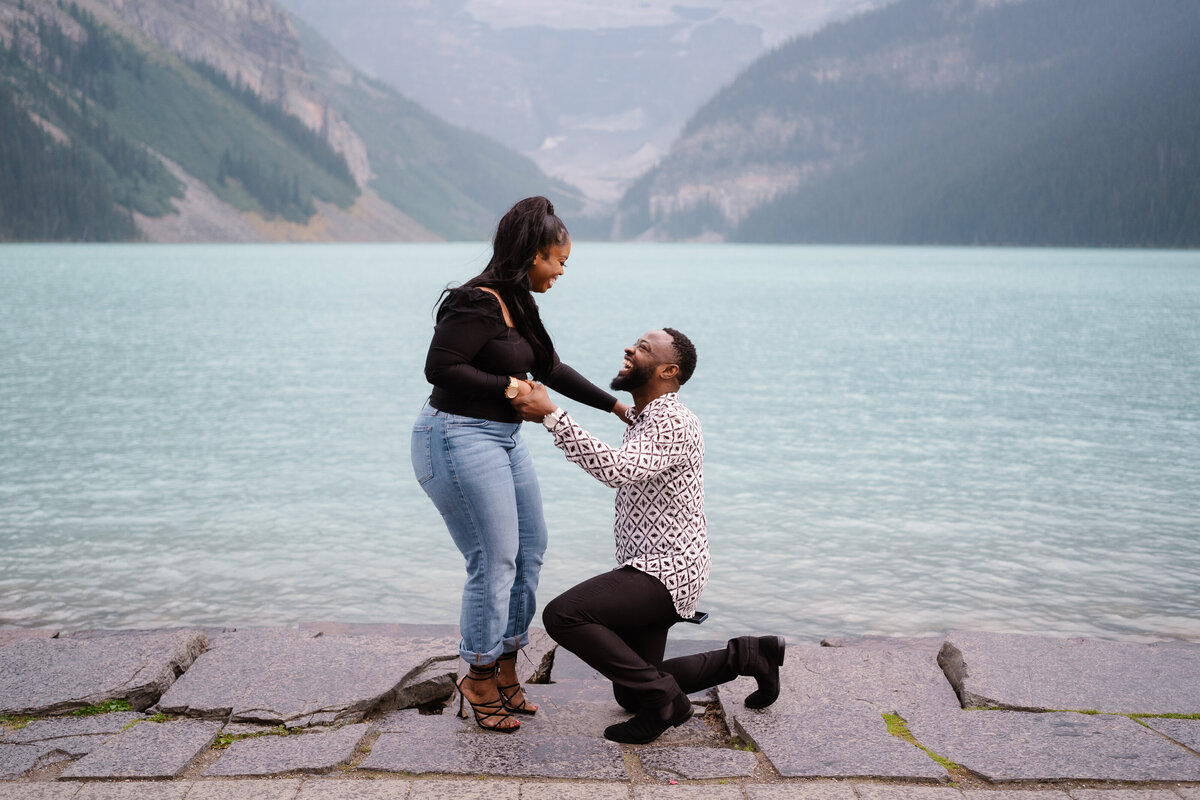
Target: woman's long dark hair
<point x="530" y="227"/>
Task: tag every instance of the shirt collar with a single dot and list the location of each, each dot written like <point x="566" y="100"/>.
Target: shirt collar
<point x="669" y="396"/>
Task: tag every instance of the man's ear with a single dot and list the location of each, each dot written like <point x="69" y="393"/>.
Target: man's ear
<point x="668" y="372"/>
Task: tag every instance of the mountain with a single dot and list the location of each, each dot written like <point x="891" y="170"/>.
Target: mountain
<point x="450" y="179"/>
<point x="592" y="92"/>
<point x="1007" y="122"/>
<point x="207" y="120"/>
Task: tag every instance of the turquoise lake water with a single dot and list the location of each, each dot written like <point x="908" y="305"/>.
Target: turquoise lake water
<point x="899" y="440"/>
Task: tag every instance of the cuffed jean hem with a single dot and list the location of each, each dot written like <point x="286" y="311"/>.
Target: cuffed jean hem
<point x="508" y="645"/>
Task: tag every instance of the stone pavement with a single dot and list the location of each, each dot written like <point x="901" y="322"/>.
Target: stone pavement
<point x="366" y="711"/>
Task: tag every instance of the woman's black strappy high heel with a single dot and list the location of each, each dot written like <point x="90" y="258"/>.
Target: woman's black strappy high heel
<point x="507" y="693"/>
<point x="493" y="710"/>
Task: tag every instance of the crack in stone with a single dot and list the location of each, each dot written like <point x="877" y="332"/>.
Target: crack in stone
<point x="954" y="667"/>
<point x="407" y="693"/>
<point x="424" y="665"/>
<point x="244" y="716"/>
<point x="141" y="668"/>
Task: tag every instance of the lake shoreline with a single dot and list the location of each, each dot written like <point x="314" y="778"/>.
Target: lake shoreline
<point x="206" y="712"/>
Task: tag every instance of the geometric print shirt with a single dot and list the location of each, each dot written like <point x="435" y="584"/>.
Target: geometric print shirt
<point x="658" y="473"/>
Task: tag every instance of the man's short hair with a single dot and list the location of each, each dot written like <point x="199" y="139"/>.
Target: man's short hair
<point x="685" y="353"/>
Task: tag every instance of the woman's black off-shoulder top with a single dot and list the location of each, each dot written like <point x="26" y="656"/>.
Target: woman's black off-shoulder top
<point x="473" y="353"/>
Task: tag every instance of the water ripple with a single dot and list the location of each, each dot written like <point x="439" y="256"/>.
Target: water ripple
<point x="899" y="441"/>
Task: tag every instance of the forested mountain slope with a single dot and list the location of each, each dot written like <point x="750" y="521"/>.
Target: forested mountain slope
<point x="1034" y="122"/>
<point x="202" y="121"/>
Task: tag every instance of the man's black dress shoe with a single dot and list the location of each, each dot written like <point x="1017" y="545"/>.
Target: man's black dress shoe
<point x="766" y="672"/>
<point x="650" y="723"/>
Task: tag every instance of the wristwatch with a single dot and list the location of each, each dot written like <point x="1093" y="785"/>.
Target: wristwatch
<point x="512" y="389"/>
<point x="551" y="419"/>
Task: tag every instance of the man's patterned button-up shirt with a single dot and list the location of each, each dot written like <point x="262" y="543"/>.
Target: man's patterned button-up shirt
<point x="658" y="473"/>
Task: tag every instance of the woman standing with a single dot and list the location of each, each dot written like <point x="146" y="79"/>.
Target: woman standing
<point x="468" y="455"/>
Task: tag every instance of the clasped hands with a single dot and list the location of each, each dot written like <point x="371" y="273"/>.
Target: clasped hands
<point x="533" y="402"/>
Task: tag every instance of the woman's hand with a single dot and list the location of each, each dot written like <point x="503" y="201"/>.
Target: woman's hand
<point x="622" y="410"/>
<point x="517" y="387"/>
<point x="534" y="404"/>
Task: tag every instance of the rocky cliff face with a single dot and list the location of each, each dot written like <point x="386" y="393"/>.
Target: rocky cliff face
<point x="774" y="130"/>
<point x="251" y="41"/>
<point x="1034" y="122"/>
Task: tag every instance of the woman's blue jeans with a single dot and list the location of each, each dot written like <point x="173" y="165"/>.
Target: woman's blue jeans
<point x="480" y="477"/>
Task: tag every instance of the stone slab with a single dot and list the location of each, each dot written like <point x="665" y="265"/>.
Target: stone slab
<point x="1184" y="731"/>
<point x="244" y="790"/>
<point x="570" y="692"/>
<point x="1015" y="794"/>
<point x="341" y="789"/>
<point x="1022" y="746"/>
<point x="828" y="720"/>
<point x="800" y="791"/>
<point x="930" y="645"/>
<point x="116" y="633"/>
<point x="569" y="667"/>
<point x="76" y="746"/>
<point x="277" y="755"/>
<point x="52" y="676"/>
<point x="139" y="790"/>
<point x="1123" y="794"/>
<point x="573" y="708"/>
<point x="37" y="791"/>
<point x="247" y="728"/>
<point x="705" y="791"/>
<point x="463" y="790"/>
<point x="902" y="677"/>
<point x="17" y="759"/>
<point x="147" y="750"/>
<point x="72" y="736"/>
<point x="318" y="719"/>
<point x="582" y="790"/>
<point x="12" y="635"/>
<point x="40" y="730"/>
<point x="440" y="638"/>
<point x="837" y="741"/>
<point x="585" y="708"/>
<point x="279" y="677"/>
<point x="875" y="792"/>
<point x="421" y="744"/>
<point x="697" y="763"/>
<point x="1020" y="672"/>
<point x="1188" y="792"/>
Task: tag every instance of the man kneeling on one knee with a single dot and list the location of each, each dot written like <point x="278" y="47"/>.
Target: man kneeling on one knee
<point x="617" y="622"/>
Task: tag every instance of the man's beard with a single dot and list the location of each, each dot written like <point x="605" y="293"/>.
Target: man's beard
<point x="635" y="378"/>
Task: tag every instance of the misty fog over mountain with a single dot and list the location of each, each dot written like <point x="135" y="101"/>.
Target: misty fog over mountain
<point x="593" y="92"/>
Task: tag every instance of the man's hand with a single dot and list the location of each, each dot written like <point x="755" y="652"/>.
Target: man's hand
<point x="534" y="405"/>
